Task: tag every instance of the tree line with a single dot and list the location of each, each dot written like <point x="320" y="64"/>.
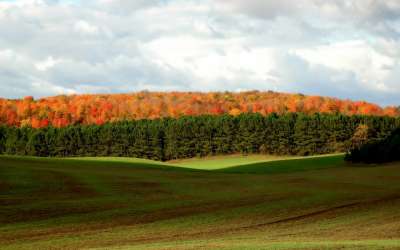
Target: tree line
<point x="191" y="136"/>
<point x="62" y="111"/>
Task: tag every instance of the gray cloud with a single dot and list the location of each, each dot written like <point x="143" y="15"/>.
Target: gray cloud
<point x="128" y="6"/>
<point x="297" y="75"/>
<point x="377" y="17"/>
<point x="52" y="47"/>
<point x="263" y="9"/>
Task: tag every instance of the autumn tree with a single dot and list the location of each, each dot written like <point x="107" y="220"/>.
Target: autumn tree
<point x="360" y="136"/>
<point x="65" y="110"/>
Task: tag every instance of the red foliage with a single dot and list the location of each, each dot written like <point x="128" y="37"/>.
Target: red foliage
<point x="44" y="123"/>
<point x="12" y="118"/>
<point x="60" y="122"/>
<point x="217" y="110"/>
<point x="99" y="121"/>
<point x="63" y="110"/>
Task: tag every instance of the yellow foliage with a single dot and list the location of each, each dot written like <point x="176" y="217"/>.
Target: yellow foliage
<point x="235" y="112"/>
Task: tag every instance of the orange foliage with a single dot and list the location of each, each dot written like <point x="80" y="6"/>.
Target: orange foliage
<point x="60" y="111"/>
<point x="235" y="112"/>
<point x="35" y="122"/>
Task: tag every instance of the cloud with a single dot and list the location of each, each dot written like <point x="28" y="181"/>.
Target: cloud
<point x="125" y="6"/>
<point x="373" y="17"/>
<point x="336" y="48"/>
<point x="268" y="9"/>
<point x="370" y="66"/>
<point x="85" y="27"/>
<point x="46" y="64"/>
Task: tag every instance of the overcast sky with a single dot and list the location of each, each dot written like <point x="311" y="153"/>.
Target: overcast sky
<point x="342" y="48"/>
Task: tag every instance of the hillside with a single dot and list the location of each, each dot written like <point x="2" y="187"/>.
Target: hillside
<point x="61" y="111"/>
<point x="318" y="203"/>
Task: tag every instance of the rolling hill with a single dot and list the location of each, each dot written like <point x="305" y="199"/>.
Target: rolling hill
<point x="311" y="203"/>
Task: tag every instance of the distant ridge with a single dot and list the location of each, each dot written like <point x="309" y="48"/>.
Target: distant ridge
<point x="61" y="111"/>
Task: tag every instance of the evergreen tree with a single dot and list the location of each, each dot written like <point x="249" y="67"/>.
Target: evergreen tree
<point x="185" y="137"/>
<point x="37" y="145"/>
<point x="3" y="134"/>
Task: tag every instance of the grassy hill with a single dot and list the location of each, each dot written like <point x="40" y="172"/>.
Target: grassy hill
<point x="103" y="203"/>
<point x="234" y="163"/>
<point x="220" y="162"/>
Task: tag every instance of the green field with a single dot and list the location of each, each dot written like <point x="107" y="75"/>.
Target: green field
<point x="220" y="162"/>
<point x="232" y="202"/>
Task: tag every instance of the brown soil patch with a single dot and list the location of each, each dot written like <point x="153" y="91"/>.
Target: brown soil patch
<point x="218" y="232"/>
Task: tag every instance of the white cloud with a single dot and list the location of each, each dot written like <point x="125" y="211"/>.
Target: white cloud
<point x="338" y="48"/>
<point x="85" y="27"/>
<point x="369" y="65"/>
<point x="46" y="88"/>
<point x="47" y="64"/>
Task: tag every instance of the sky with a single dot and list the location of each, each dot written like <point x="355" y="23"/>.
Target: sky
<point x="341" y="48"/>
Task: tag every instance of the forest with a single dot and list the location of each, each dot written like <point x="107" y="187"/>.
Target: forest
<point x="378" y="151"/>
<point x="191" y="136"/>
<point x="62" y="111"/>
